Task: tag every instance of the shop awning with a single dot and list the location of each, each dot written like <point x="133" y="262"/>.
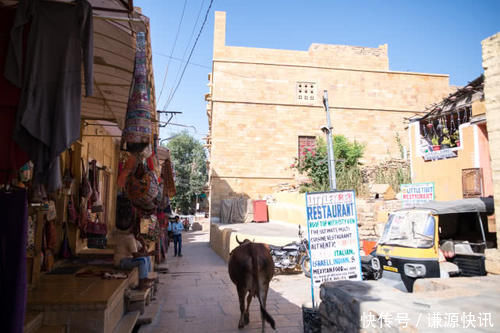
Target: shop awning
<point x="114" y="53"/>
<point x="115" y="25"/>
<point x="459" y="100"/>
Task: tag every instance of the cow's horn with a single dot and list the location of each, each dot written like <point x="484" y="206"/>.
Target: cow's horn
<point x="237" y="240"/>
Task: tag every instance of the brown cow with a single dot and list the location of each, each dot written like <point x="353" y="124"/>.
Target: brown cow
<point x="251" y="268"/>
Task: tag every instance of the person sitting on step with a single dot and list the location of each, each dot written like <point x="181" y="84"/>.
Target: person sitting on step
<point x="130" y="253"/>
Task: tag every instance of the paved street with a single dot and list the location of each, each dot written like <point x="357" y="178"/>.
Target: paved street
<point x="197" y="295"/>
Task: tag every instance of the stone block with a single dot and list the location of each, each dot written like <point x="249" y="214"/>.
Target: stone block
<point x="492" y="261"/>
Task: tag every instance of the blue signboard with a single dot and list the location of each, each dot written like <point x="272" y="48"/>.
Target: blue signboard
<point x="332" y="226"/>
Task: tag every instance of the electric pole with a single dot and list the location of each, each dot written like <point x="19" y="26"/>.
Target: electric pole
<point x="331" y="157"/>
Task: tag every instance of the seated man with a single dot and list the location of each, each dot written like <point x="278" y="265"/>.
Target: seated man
<point x="127" y="256"/>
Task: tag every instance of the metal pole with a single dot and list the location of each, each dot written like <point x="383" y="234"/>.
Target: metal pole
<point x="331" y="156"/>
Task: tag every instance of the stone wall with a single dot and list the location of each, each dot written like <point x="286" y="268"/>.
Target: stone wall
<point x="373" y="306"/>
<point x="256" y="116"/>
<point x="491" y="65"/>
<point x="372" y="215"/>
<point x="340" y="56"/>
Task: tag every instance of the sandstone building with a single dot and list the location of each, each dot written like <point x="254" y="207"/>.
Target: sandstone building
<point x="265" y="105"/>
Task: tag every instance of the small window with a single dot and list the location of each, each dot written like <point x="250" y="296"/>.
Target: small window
<point x="306" y="144"/>
<point x="305" y="91"/>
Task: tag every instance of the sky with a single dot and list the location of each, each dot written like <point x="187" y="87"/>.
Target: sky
<point x="429" y="36"/>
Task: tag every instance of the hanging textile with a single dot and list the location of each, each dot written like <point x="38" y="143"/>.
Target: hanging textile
<point x="48" y="116"/>
<point x="13" y="238"/>
<point x="12" y="156"/>
<point x="125" y="170"/>
<point x="167" y="173"/>
<point x="137" y="132"/>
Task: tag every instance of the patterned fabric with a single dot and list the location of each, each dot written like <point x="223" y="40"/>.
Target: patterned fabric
<point x="142" y="188"/>
<point x="30" y="246"/>
<point x="152" y="231"/>
<point x="167" y="174"/>
<point x="138" y="118"/>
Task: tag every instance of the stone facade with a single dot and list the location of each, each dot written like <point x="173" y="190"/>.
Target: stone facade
<point x="372" y="306"/>
<point x="256" y="116"/>
<point x="491" y="65"/>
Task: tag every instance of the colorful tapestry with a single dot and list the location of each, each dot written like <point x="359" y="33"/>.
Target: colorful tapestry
<point x="138" y="118"/>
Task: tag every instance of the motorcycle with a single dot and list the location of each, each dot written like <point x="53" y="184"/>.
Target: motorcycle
<point x="293" y="257"/>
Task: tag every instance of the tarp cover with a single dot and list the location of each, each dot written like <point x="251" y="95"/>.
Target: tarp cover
<point x="236" y="210"/>
<point x="480" y="205"/>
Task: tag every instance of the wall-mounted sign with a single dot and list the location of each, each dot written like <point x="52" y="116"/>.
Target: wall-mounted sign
<point x="440" y="154"/>
<point x="332" y="226"/>
<point x="416" y="194"/>
<point x="432" y="148"/>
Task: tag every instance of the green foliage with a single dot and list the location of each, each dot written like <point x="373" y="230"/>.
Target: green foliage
<point x="189" y="159"/>
<point x="400" y="146"/>
<point x="347" y="171"/>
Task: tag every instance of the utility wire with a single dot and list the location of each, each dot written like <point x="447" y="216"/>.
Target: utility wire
<point x="202" y="66"/>
<point x="190" y="54"/>
<point x="187" y="45"/>
<point x="173" y="48"/>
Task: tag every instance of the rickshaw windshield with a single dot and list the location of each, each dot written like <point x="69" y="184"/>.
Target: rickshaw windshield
<point x="410" y="228"/>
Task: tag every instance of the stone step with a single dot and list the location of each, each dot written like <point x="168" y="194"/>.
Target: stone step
<point x="32" y="321"/>
<point x="136" y="300"/>
<point x="137" y="295"/>
<point x="161" y="268"/>
<point x="154" y="276"/>
<point x="127" y="323"/>
<point x="149" y="315"/>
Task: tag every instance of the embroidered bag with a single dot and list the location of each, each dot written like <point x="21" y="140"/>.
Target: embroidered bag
<point x="142" y="188"/>
<point x="72" y="213"/>
<point x="96" y="235"/>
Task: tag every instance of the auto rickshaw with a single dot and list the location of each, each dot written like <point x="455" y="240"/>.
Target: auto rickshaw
<point x="436" y="239"/>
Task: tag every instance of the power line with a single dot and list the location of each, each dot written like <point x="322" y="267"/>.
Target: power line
<point x="202" y="66"/>
<point x="173" y="48"/>
<point x="190" y="54"/>
<point x="181" y="60"/>
<point x="187" y="45"/>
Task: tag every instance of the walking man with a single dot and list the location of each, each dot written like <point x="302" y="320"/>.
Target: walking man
<point x="176" y="227"/>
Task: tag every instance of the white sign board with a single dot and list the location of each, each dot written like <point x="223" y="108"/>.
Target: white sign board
<point x="416" y="194"/>
<point x="332" y="226"/>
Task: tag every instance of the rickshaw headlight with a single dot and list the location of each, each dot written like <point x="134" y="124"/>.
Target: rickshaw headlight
<point x="414" y="270"/>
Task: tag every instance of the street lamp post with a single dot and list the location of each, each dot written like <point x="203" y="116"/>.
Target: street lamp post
<point x="331" y="157"/>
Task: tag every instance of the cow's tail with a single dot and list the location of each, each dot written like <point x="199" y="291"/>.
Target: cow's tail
<point x="267" y="316"/>
<point x="260" y="286"/>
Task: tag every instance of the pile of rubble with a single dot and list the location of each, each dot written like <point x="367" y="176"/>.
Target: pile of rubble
<point x="386" y="167"/>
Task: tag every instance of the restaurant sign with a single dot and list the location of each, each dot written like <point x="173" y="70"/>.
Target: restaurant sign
<point x="333" y="237"/>
<point x="416" y="194"/>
